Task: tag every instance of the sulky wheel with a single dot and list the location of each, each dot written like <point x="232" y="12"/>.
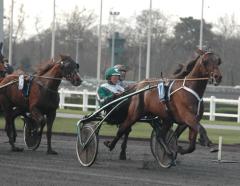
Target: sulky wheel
<point x="32" y="138"/>
<point x="153" y="142"/>
<point x="158" y="151"/>
<point x="87" y="145"/>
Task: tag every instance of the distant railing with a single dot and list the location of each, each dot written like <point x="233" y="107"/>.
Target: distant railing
<point x="85" y="95"/>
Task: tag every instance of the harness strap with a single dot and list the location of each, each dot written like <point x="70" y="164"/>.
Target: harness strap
<point x="9" y="83"/>
<point x="194" y="93"/>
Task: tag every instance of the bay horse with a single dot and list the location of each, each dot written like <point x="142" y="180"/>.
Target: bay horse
<point x="42" y="100"/>
<point x="184" y="106"/>
<point x="181" y="72"/>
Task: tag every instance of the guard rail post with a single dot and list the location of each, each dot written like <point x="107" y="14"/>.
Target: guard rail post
<point x="62" y="98"/>
<point x="212" y="108"/>
<point x="238" y="118"/>
<point x="85" y="100"/>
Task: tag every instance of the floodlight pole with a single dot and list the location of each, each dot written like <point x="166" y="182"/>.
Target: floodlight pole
<point x="53" y="31"/>
<point x="149" y="40"/>
<point x="1" y="22"/>
<point x="99" y="45"/>
<point x="10" y="34"/>
<point x="201" y="28"/>
<point x="140" y="61"/>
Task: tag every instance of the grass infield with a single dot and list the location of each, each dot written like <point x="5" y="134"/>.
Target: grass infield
<point x="140" y="130"/>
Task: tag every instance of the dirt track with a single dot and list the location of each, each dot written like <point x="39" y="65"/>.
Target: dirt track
<point x="37" y="168"/>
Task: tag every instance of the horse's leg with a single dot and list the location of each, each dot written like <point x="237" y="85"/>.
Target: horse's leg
<point x="193" y="131"/>
<point x="162" y="132"/>
<point x="38" y="118"/>
<point x="16" y="112"/>
<point x="204" y="140"/>
<point x="124" y="145"/>
<point x="124" y="127"/>
<point x="50" y="119"/>
<point x="11" y="131"/>
<point x="179" y="130"/>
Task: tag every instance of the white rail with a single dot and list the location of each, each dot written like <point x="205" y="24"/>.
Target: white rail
<point x="84" y="96"/>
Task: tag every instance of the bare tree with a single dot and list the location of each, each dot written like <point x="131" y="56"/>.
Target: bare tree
<point x="227" y="26"/>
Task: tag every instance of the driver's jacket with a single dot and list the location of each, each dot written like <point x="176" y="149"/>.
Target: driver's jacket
<point x="106" y="93"/>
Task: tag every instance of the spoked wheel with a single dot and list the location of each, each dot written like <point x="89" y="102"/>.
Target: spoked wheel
<point x="32" y="138"/>
<point x="158" y="150"/>
<point x="87" y="145"/>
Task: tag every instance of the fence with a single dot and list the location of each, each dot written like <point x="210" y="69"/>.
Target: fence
<point x="85" y="96"/>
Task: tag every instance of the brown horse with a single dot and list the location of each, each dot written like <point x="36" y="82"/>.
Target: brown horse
<point x="184" y="106"/>
<point x="42" y="98"/>
<point x="181" y="72"/>
<point x="5" y="69"/>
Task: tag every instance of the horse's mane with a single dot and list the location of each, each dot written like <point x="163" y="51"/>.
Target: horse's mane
<point x="184" y="69"/>
<point x="43" y="67"/>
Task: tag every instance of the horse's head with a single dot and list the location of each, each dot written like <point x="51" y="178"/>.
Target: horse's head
<point x="5" y="68"/>
<point x="210" y="63"/>
<point x="70" y="70"/>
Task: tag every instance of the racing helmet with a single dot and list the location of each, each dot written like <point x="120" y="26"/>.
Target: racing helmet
<point x="111" y="72"/>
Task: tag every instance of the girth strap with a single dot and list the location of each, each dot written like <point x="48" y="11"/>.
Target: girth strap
<point x="188" y="90"/>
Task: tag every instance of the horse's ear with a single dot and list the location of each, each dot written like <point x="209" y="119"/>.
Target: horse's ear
<point x="200" y="52"/>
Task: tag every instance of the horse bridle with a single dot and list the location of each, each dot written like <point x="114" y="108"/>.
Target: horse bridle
<point x="212" y="77"/>
<point x="66" y="71"/>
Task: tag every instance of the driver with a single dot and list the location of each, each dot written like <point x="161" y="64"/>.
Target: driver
<point x="109" y="91"/>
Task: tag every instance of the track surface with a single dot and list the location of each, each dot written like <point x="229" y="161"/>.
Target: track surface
<point x="37" y="168"/>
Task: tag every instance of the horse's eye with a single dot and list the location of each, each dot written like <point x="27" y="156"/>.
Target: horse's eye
<point x="77" y="66"/>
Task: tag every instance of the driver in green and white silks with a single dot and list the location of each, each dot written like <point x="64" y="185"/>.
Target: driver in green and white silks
<point x="109" y="91"/>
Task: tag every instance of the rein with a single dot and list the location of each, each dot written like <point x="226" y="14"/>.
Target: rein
<point x="45" y="77"/>
<point x="9" y="83"/>
<point x="172" y="79"/>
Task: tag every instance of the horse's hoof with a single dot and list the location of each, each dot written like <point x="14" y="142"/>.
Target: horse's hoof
<point x="213" y="149"/>
<point x="174" y="163"/>
<point x="107" y="143"/>
<point x="202" y="142"/>
<point x="17" y="149"/>
<point x="52" y="152"/>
